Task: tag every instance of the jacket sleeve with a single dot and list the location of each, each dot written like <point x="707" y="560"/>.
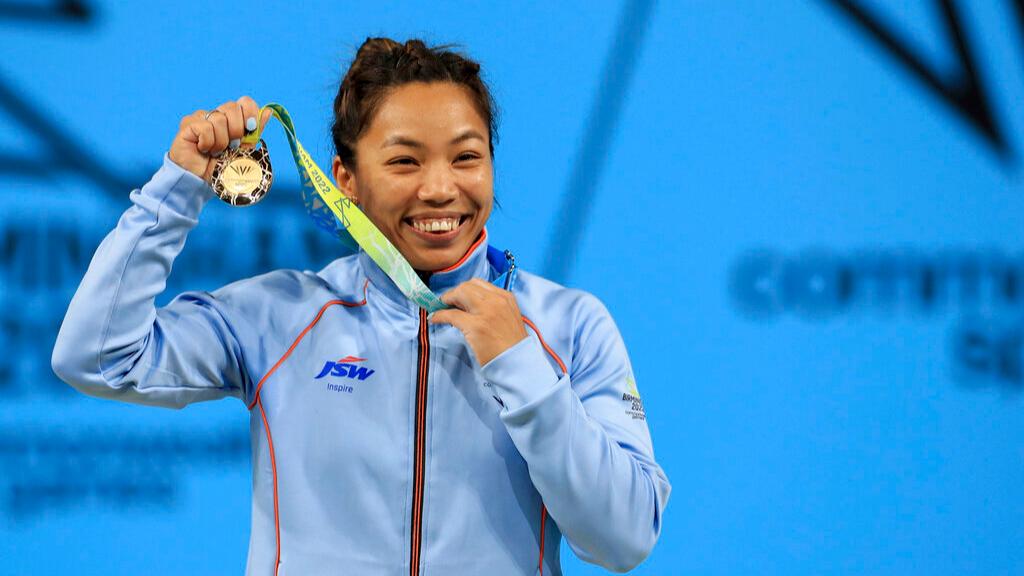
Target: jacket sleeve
<point x="585" y="439"/>
<point x="114" y="342"/>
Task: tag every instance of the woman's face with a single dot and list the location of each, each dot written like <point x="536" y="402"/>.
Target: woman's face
<point x="423" y="173"/>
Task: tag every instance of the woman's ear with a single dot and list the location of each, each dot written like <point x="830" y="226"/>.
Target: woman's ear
<point x="344" y="179"/>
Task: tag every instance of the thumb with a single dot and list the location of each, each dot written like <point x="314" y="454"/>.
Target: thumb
<point x="264" y="118"/>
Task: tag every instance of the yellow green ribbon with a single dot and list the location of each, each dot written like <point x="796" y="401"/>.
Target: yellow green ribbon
<point x="337" y="214"/>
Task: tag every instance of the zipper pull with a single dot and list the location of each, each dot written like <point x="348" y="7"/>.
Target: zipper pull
<point x="511" y="272"/>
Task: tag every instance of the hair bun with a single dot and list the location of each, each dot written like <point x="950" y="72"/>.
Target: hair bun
<point x="376" y="47"/>
<point x="381" y="64"/>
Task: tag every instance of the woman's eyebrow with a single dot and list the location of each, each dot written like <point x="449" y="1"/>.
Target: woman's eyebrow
<point x="400" y="140"/>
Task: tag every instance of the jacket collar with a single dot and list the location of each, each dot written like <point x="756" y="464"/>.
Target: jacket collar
<point x="473" y="264"/>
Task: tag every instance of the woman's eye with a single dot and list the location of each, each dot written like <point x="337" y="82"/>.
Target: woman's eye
<point x="406" y="161"/>
<point x="466" y="156"/>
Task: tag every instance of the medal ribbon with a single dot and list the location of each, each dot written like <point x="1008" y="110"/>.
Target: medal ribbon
<point x="338" y="215"/>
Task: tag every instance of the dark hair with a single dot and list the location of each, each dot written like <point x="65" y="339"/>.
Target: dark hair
<point x="382" y="64"/>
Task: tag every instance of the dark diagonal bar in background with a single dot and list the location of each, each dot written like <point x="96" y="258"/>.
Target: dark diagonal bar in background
<point x="54" y="12"/>
<point x="65" y="153"/>
<point x="1019" y="10"/>
<point x="592" y="155"/>
<point x="965" y="94"/>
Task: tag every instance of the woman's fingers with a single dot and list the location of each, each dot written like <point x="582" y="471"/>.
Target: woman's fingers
<point x="232" y="112"/>
<point x="204" y="136"/>
<point x="266" y="118"/>
<point x="219" y="122"/>
<point x="471" y="293"/>
<point x="250" y="110"/>
<point x="452" y="316"/>
<point x="487" y="316"/>
<point x="201" y="133"/>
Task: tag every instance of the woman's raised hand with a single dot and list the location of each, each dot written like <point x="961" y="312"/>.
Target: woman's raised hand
<point x="204" y="135"/>
<point x="486" y="315"/>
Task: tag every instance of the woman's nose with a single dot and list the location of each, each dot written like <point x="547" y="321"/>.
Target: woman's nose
<point x="439" y="187"/>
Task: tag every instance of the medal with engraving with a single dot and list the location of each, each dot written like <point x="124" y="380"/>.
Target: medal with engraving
<point x="243" y="176"/>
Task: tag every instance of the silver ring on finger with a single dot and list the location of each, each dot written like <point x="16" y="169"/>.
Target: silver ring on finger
<point x="211" y="113"/>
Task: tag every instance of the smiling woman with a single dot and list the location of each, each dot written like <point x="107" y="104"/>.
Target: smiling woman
<point x="467" y="441"/>
<point x="422" y="172"/>
<point x="414" y="132"/>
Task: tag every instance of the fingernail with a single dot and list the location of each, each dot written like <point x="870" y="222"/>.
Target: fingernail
<point x="235" y="143"/>
<point x="250" y="124"/>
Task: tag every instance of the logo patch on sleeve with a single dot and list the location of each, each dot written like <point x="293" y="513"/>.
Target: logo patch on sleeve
<point x="632" y="397"/>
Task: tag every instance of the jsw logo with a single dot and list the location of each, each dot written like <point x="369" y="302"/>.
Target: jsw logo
<point x="345" y="367"/>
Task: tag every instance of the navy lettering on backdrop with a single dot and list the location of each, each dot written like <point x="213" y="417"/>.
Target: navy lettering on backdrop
<point x="56" y="468"/>
<point x="41" y="263"/>
<point x="988" y="352"/>
<point x="983" y="286"/>
<point x="42" y="260"/>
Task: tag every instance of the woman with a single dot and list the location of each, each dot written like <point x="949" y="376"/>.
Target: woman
<point x="385" y="441"/>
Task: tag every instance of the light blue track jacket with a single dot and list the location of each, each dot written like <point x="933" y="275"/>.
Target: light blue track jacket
<point x="379" y="445"/>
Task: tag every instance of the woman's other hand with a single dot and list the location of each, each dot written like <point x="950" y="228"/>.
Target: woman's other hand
<point x="486" y="315"/>
<point x="201" y="138"/>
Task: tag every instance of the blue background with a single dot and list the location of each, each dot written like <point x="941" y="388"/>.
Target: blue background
<point x="653" y="154"/>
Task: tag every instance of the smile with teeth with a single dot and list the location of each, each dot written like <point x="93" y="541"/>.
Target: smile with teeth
<point x="437" y="225"/>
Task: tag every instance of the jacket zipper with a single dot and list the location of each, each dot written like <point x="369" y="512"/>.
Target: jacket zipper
<point x="419" y="440"/>
<point x="510" y="272"/>
<point x="419" y="437"/>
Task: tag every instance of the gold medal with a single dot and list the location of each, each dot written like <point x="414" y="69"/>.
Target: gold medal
<point x="243" y="176"/>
